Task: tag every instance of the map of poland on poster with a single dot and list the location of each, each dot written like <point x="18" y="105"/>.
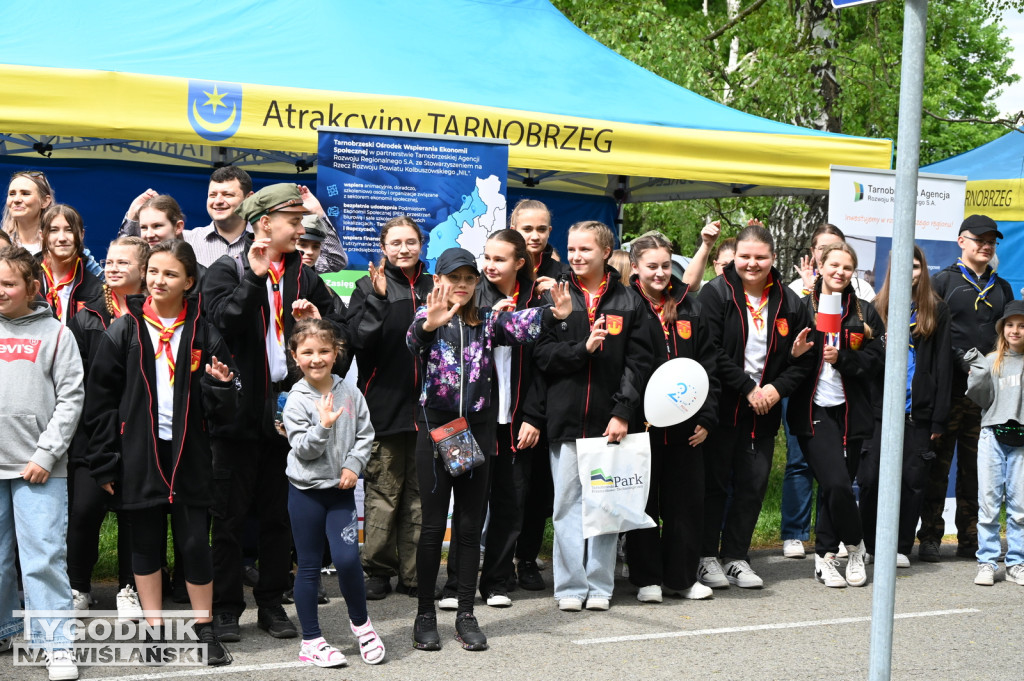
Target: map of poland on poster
<point x="453" y="187"/>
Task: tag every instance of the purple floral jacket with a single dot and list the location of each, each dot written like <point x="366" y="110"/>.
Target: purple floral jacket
<point x="458" y="356"/>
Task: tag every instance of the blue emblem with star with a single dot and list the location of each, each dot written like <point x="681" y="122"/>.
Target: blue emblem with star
<point x="214" y="109"/>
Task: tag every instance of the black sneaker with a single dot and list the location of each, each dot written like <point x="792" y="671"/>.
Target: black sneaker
<point x="377" y="587"/>
<point x="403" y="588"/>
<point x="225" y="627"/>
<point x="424" y="632"/>
<point x="529" y="576"/>
<point x="153" y="653"/>
<point x="928" y="551"/>
<point x="275" y="622"/>
<point x="216" y="653"/>
<point x="467" y="632"/>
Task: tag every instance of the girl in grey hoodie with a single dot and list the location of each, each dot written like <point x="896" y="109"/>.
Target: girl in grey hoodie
<point x="994" y="383"/>
<point x="329" y="430"/>
<point x="41" y="390"/>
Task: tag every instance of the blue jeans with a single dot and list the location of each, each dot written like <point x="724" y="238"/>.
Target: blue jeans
<point x="1000" y="476"/>
<point x="37" y="516"/>
<point x="576" y="577"/>
<point x="797" y="488"/>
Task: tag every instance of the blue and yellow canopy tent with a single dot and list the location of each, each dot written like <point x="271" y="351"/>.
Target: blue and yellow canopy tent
<point x="193" y="83"/>
<point x="995" y="187"/>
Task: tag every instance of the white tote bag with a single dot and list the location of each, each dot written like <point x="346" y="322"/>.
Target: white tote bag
<point x="616" y="480"/>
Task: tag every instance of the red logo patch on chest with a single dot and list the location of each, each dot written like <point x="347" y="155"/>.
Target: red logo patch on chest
<point x="12" y="349"/>
<point x="613" y="323"/>
<point x="782" y="326"/>
<point x="197" y="358"/>
<point x="683" y="329"/>
<point x="856" y="340"/>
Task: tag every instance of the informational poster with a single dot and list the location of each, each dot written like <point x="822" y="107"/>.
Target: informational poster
<point x="861" y="202"/>
<point x="453" y="187"/>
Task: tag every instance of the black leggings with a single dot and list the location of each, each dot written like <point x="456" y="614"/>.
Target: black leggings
<point x="436" y="487"/>
<point x="834" y="467"/>
<point x="87" y="508"/>
<point x="191" y="526"/>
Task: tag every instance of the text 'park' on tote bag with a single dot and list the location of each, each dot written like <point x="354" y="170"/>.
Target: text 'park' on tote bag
<point x="616" y="480"/>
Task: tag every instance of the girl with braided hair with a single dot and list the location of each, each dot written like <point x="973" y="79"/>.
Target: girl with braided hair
<point x="123" y="271"/>
<point x="830" y="411"/>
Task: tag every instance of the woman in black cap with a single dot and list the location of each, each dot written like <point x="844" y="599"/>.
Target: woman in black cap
<point x="454" y="341"/>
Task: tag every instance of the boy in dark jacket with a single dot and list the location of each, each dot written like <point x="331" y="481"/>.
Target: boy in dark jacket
<point x="255" y="303"/>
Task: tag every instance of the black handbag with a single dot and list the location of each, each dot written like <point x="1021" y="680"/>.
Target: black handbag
<point x="1010" y="434"/>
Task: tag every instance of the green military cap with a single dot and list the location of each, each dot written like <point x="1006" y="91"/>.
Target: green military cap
<point x="271" y="199"/>
<point x="314" y="232"/>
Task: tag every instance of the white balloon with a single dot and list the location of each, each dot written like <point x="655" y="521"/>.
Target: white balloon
<point x="676" y="392"/>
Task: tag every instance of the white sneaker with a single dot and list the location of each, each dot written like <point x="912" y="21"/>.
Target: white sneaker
<point x="740" y="573"/>
<point x="986" y="575"/>
<point x="902" y="560"/>
<point x="1015" y="573"/>
<point x="321" y="653"/>
<point x="826" y="571"/>
<point x="793" y="548"/>
<point x="540" y="563"/>
<point x="856" y="574"/>
<point x="498" y="599"/>
<point x="128" y="607"/>
<point x="842" y="552"/>
<point x="649" y="594"/>
<point x="570" y="604"/>
<point x="598" y="603"/>
<point x="709" y="573"/>
<point x="61" y="665"/>
<point x="448" y="603"/>
<point x="697" y="592"/>
<point x="82" y="600"/>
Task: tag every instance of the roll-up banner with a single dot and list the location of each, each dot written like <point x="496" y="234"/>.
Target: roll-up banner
<point x="861" y="203"/>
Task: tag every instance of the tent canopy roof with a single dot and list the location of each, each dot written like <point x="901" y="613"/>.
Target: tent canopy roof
<point x="512" y="55"/>
<point x="1000" y="159"/>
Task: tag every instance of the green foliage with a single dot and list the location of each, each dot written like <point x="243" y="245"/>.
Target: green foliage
<point x="804" y="63"/>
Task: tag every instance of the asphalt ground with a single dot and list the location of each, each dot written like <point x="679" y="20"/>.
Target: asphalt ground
<point x="793" y="628"/>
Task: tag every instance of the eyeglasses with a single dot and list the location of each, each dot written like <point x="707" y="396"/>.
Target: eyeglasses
<point x="984" y="242"/>
<point x="397" y="244"/>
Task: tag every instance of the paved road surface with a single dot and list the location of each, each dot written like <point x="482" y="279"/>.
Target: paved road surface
<point x="794" y="628"/>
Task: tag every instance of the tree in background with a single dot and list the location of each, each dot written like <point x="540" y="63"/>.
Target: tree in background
<point x="802" y="62"/>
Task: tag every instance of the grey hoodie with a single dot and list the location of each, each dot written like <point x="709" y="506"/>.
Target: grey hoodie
<point x="318" y="454"/>
<point x="1000" y="398"/>
<point x="41" y="392"/>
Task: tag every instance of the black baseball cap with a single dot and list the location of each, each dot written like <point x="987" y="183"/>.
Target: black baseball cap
<point x="454" y="258"/>
<point x="980" y="224"/>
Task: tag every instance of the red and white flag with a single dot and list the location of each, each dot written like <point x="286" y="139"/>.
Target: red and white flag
<point x="830" y="311"/>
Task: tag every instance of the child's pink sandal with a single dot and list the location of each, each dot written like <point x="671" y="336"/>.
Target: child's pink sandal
<point x="371" y="648"/>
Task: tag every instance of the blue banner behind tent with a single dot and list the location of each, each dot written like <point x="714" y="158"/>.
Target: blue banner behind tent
<point x="454" y="188"/>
